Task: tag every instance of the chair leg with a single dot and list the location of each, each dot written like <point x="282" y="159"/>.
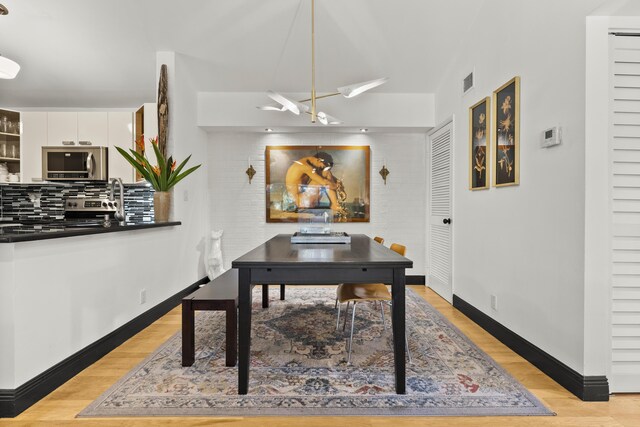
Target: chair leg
<point x="384" y="324"/>
<point x="336" y="305"/>
<point x="353" y="321"/>
<point x="346" y="313"/>
<point x="338" y="321"/>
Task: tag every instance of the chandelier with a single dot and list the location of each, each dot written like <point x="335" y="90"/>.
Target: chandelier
<point x="297" y="107"/>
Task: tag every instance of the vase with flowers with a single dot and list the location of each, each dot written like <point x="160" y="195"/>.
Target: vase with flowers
<point x="162" y="176"/>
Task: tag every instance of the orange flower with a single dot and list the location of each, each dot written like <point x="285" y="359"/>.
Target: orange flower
<point x="173" y="166"/>
<point x="140" y="144"/>
<point x="156" y="170"/>
<point x="154" y="141"/>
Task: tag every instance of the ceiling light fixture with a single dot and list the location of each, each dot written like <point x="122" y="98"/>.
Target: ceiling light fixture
<point x="364" y="130"/>
<point x="296" y="107"/>
<point x="8" y="69"/>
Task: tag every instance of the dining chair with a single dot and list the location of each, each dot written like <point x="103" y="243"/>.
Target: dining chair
<point x="361" y="292"/>
<point x="380" y="240"/>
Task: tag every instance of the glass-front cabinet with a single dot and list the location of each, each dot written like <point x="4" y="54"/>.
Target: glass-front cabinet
<point x="10" y="130"/>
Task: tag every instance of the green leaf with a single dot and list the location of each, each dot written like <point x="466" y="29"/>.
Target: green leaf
<point x="178" y="170"/>
<point x="183" y="175"/>
<point x="144" y="169"/>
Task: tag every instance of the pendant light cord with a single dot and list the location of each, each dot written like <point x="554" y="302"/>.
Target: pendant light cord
<point x="313" y="62"/>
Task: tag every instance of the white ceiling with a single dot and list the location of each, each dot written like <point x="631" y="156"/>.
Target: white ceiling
<point x="91" y="54"/>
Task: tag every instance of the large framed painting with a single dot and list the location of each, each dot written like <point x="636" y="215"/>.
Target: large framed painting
<point x="479" y="145"/>
<point x="506" y="153"/>
<point x="317" y="183"/>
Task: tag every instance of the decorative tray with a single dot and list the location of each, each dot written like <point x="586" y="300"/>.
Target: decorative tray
<point x="334" y="237"/>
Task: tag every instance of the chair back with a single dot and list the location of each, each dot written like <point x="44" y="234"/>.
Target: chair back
<point x="379" y="239"/>
<point x="398" y="248"/>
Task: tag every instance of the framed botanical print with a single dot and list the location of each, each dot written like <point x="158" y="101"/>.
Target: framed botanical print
<point x="317" y="183"/>
<point x="506" y="145"/>
<point x="479" y="145"/>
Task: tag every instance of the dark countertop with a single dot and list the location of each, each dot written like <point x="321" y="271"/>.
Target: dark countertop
<point x="10" y="234"/>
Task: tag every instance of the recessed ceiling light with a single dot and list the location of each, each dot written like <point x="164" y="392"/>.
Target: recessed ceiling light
<point x="268" y="130"/>
<point x="3" y="10"/>
<point x="364" y="130"/>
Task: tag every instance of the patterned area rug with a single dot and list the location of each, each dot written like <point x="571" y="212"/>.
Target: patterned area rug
<point x="299" y="367"/>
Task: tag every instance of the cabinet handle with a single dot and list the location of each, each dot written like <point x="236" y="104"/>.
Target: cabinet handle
<point x="84" y="142"/>
<point x="68" y="143"/>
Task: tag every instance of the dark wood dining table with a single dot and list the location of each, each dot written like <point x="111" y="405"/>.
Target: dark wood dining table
<point x="282" y="262"/>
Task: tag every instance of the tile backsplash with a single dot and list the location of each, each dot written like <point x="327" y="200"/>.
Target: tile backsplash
<point x="46" y="201"/>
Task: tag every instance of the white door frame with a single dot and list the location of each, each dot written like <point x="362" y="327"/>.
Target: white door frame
<point x="447" y="121"/>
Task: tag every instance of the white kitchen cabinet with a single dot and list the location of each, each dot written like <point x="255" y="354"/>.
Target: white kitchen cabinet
<point x="100" y="128"/>
<point x="121" y="135"/>
<point x="62" y="126"/>
<point x="34" y="136"/>
<point x="93" y="128"/>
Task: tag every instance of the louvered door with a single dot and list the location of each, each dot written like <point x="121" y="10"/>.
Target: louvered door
<point x="440" y="212"/>
<point x="624" y="190"/>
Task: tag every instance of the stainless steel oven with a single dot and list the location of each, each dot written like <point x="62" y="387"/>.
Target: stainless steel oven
<point x="84" y="163"/>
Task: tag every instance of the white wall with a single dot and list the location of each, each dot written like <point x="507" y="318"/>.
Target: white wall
<point x="64" y="294"/>
<point x="525" y="244"/>
<point x="397" y="209"/>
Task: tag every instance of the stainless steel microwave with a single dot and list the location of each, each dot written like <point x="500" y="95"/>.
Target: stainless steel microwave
<point x="84" y="163"/>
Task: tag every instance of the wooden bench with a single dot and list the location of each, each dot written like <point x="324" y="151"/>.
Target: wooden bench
<point x="219" y="294"/>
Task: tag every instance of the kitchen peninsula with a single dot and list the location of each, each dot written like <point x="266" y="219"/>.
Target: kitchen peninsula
<point x="63" y="288"/>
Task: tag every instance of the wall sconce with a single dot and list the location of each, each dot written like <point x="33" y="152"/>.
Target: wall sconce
<point x="250" y="170"/>
<point x="384" y="172"/>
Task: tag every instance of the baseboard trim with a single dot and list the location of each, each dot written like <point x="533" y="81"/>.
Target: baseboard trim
<point x="15" y="401"/>
<point x="415" y="280"/>
<point x="587" y="388"/>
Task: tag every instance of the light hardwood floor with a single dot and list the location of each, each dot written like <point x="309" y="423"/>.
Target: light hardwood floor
<point x="61" y="406"/>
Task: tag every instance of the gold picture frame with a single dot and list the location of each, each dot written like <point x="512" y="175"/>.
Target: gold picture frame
<point x="480" y="144"/>
<point x="306" y="183"/>
<point x="506" y="136"/>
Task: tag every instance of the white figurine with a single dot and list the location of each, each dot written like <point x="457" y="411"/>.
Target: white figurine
<point x="214" y="263"/>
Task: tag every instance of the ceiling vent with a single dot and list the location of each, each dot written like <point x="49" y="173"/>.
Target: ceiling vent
<point x="467" y="83"/>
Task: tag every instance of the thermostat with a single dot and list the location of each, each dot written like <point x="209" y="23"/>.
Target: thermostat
<point x="551" y="137"/>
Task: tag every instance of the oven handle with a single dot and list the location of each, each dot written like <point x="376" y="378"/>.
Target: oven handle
<point x="90" y="165"/>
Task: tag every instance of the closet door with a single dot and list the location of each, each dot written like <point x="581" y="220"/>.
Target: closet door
<point x="624" y="202"/>
<point x="440" y="212"/>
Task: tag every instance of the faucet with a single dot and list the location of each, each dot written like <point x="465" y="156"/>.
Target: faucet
<point x="120" y="205"/>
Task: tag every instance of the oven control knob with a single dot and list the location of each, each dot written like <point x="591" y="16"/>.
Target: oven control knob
<point x="104" y="204"/>
<point x="115" y="204"/>
<point x="110" y="204"/>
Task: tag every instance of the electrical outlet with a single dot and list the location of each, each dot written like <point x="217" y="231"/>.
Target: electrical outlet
<point x="494" y="302"/>
<point x="143" y="296"/>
